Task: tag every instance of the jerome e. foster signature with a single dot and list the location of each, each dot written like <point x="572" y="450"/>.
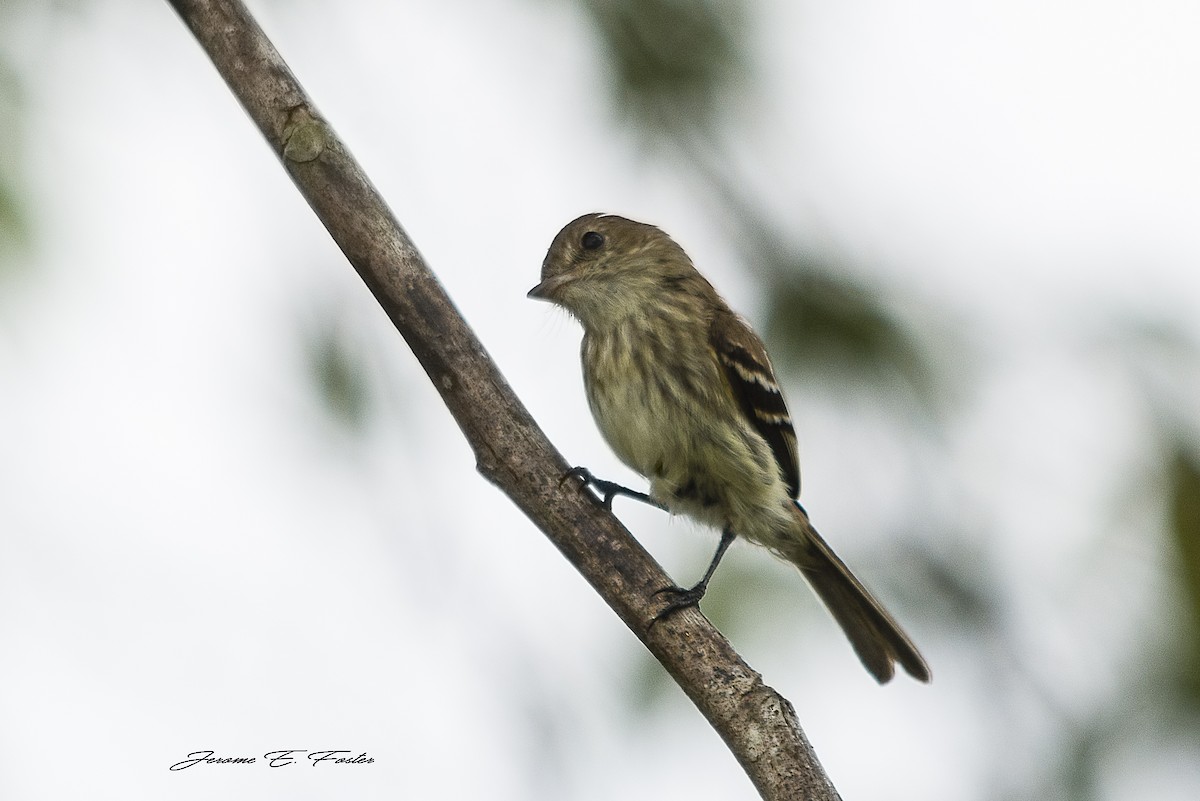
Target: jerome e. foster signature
<point x="275" y="759"/>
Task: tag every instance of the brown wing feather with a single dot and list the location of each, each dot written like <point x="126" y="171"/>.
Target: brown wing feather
<point x="752" y="379"/>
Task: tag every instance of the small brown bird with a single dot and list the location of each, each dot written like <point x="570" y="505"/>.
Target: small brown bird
<point x="684" y="393"/>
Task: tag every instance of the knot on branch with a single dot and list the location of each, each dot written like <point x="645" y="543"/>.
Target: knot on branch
<point x="304" y="136"/>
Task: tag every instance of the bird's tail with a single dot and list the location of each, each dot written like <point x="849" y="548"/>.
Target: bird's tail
<point x="876" y="637"/>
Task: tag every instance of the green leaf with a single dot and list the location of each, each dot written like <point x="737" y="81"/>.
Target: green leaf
<point x="840" y="328"/>
<point x="672" y="60"/>
<point x="339" y="374"/>
<point x="14" y="225"/>
<point x="1184" y="522"/>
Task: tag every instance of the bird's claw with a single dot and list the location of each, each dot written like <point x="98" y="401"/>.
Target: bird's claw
<point x="607" y="489"/>
<point x="682" y="598"/>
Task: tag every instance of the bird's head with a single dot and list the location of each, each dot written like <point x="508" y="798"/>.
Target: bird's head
<point x="603" y="269"/>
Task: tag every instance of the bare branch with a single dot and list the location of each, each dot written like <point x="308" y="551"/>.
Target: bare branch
<point x="757" y="723"/>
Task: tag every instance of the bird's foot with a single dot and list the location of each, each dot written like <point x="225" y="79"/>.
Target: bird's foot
<point x="679" y="598"/>
<point x="608" y="489"/>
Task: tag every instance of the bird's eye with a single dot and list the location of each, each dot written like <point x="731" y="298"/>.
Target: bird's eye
<point x="592" y="240"/>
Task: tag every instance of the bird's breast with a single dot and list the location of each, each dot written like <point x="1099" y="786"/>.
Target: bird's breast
<point x="663" y="408"/>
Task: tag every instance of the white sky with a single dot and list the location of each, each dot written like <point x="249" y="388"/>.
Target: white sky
<point x="196" y="558"/>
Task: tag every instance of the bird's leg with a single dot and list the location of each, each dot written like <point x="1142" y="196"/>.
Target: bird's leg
<point x="690" y="597"/>
<point x="609" y="489"/>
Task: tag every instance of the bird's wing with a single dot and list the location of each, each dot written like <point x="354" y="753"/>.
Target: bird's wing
<point x="744" y="359"/>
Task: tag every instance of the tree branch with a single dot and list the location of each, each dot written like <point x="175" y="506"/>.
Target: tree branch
<point x="757" y="723"/>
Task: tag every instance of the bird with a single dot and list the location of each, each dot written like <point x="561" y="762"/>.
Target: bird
<point x="683" y="391"/>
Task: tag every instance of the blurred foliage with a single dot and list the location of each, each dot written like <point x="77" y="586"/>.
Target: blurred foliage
<point x="672" y="61"/>
<point x="1162" y="363"/>
<point x="1183" y="486"/>
<point x="14" y="229"/>
<point x="956" y="574"/>
<point x="336" y="365"/>
<point x="23" y="30"/>
<point x="839" y="328"/>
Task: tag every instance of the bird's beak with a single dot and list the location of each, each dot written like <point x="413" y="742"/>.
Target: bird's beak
<point x="548" y="289"/>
